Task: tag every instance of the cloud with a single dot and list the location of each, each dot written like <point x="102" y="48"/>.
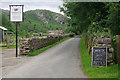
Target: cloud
<point x="30" y="0"/>
<point x="53" y="6"/>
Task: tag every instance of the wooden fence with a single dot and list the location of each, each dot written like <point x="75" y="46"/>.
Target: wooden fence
<point x="118" y="48"/>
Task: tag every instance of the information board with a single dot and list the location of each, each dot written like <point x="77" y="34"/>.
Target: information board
<point x="16" y="13"/>
<point x="99" y="57"/>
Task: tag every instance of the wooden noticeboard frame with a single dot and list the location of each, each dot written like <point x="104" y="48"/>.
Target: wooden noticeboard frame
<point x="22" y="7"/>
<point x="92" y="57"/>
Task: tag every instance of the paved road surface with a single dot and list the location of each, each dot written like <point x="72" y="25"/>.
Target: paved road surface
<point x="0" y="64"/>
<point x="61" y="61"/>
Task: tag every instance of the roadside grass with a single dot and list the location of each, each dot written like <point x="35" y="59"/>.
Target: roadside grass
<point x="3" y="43"/>
<point x="11" y="47"/>
<point x="36" y="52"/>
<point x="96" y="72"/>
<point x="12" y="37"/>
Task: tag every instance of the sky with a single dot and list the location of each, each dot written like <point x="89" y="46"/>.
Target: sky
<point x="52" y="5"/>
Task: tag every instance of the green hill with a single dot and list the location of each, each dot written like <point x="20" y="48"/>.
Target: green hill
<point x="35" y="21"/>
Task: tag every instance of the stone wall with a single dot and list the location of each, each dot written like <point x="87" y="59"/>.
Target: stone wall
<point x="105" y="42"/>
<point x="30" y="44"/>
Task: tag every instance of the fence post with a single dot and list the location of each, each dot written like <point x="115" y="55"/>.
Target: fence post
<point x="113" y="54"/>
<point x="118" y="48"/>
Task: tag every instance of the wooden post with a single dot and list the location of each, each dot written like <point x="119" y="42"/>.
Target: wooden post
<point x="113" y="54"/>
<point x="118" y="48"/>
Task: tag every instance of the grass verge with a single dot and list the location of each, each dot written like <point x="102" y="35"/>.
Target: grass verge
<point x="12" y="47"/>
<point x="96" y="72"/>
<point x="36" y="52"/>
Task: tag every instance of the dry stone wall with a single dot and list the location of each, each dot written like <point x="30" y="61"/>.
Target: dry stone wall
<point x="30" y="44"/>
<point x="105" y="42"/>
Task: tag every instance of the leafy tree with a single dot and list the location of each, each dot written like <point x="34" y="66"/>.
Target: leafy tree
<point x="113" y="17"/>
<point x="84" y="15"/>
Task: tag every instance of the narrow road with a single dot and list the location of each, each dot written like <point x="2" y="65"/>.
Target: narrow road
<point x="60" y="61"/>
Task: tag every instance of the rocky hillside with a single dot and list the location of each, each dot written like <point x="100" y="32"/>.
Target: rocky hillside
<point x="46" y="16"/>
<point x="36" y="21"/>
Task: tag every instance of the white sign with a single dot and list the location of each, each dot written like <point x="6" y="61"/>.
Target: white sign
<point x="16" y="13"/>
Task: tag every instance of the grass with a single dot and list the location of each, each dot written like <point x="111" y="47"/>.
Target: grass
<point x="96" y="72"/>
<point x="36" y="52"/>
<point x="12" y="47"/>
<point x="13" y="37"/>
<point x="2" y="44"/>
<point x="8" y="47"/>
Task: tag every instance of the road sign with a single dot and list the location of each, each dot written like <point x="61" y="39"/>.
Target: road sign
<point x="16" y="13"/>
<point x="99" y="56"/>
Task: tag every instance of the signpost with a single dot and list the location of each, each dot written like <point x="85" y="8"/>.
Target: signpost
<point x="99" y="57"/>
<point x="16" y="15"/>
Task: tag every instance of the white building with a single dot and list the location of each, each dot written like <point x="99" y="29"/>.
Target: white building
<point x="2" y="29"/>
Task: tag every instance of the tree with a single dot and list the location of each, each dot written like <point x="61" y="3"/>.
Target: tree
<point x="81" y="14"/>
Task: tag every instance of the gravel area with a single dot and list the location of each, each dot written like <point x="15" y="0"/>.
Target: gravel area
<point x="10" y="62"/>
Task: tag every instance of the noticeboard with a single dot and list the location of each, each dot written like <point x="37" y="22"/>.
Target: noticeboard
<point x="99" y="57"/>
<point x="16" y="13"/>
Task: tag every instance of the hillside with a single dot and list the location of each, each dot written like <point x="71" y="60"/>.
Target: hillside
<point x="36" y="21"/>
<point x="45" y="16"/>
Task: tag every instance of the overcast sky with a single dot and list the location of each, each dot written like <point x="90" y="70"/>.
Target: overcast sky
<point x="52" y="5"/>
